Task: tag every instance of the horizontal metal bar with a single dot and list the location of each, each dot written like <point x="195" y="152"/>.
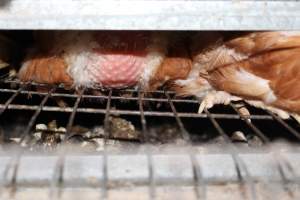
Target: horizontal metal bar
<point x="94" y="87"/>
<point x="289" y="128"/>
<point x="101" y="96"/>
<point x="132" y="112"/>
<point x="15" y="94"/>
<point x="151" y="15"/>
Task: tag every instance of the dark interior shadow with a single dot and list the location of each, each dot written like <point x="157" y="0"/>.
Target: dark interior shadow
<point x="4" y="3"/>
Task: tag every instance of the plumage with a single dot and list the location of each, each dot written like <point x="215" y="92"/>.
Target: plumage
<point x="176" y="65"/>
<point x="262" y="68"/>
<point x="44" y="69"/>
<point x="109" y="59"/>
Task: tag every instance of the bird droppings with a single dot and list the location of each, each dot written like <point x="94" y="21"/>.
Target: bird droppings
<point x="122" y="129"/>
<point x="238" y="136"/>
<point x="123" y="134"/>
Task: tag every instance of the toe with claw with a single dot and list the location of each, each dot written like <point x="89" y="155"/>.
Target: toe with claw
<point x="216" y="97"/>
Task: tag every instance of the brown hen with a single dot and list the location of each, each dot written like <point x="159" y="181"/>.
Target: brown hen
<point x="262" y="68"/>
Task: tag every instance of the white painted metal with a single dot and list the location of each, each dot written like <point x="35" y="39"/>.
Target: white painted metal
<point x="150" y="14"/>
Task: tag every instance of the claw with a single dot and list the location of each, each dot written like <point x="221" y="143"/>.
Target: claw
<point x="243" y="111"/>
<point x="216" y="97"/>
<point x="206" y="103"/>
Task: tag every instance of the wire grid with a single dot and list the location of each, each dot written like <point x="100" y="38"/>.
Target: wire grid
<point x="164" y="96"/>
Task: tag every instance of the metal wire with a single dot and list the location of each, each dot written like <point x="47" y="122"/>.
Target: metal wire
<point x="184" y="133"/>
<point x="199" y="182"/>
<point x="198" y="179"/>
<point x="128" y="98"/>
<point x="62" y="86"/>
<point x="140" y="97"/>
<point x="26" y="134"/>
<point x="146" y="139"/>
<point x="106" y="136"/>
<point x="251" y="125"/>
<point x="14" y="165"/>
<point x="284" y="179"/>
<point x="133" y="112"/>
<point x="159" y="96"/>
<point x="10" y="100"/>
<point x="57" y="180"/>
<point x="197" y="174"/>
<point x="289" y="128"/>
<point x="25" y="138"/>
<point x="266" y="140"/>
<point x="72" y="116"/>
<point x="239" y="164"/>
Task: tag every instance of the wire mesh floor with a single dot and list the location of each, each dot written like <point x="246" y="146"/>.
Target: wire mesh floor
<point x="188" y="170"/>
<point x="37" y="103"/>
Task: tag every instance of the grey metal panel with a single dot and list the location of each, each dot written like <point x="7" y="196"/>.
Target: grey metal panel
<point x="86" y="171"/>
<point x="150" y="15"/>
<point x="133" y="168"/>
<point x="25" y="193"/>
<point x="217" y="167"/>
<point x="83" y="171"/>
<point x="292" y="166"/>
<point x="261" y="166"/>
<point x="81" y="193"/>
<point x="5" y="176"/>
<point x="172" y="169"/>
<point x="36" y="170"/>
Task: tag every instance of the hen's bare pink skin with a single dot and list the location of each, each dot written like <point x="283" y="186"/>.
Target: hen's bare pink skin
<point x="122" y="56"/>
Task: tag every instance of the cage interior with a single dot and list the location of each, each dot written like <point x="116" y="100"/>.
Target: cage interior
<point x="45" y="116"/>
<point x="62" y="142"/>
<point x="107" y="143"/>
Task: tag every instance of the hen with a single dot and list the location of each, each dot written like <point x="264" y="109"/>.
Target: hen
<point x="109" y="59"/>
<point x="262" y="68"/>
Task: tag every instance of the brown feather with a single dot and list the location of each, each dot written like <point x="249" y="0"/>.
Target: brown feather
<point x="280" y="68"/>
<point x="260" y="67"/>
<point x="45" y="69"/>
<point x="176" y="65"/>
<point x="259" y="42"/>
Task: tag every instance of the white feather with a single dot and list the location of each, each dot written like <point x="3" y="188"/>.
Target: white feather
<point x="79" y="55"/>
<point x="155" y="56"/>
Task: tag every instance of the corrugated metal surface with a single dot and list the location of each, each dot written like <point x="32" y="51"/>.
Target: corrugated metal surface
<point x="170" y="174"/>
<point x="150" y="14"/>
